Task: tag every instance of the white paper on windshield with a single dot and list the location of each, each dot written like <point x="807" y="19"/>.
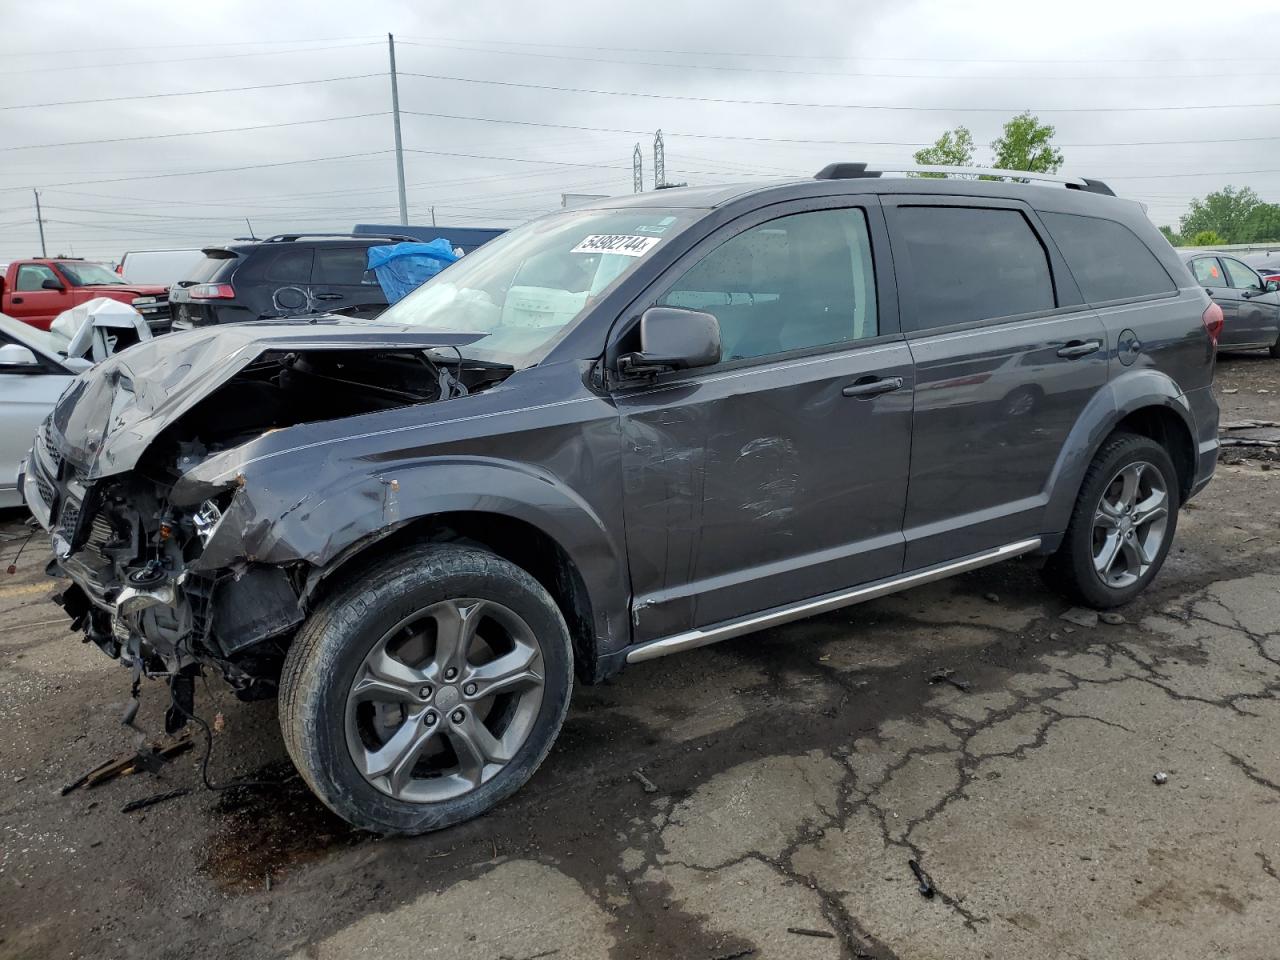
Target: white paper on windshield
<point x="628" y="246"/>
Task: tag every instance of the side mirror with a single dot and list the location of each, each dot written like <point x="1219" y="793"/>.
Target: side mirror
<point x="673" y="339"/>
<point x="14" y="355"/>
<point x="51" y="284"/>
<point x="1272" y="286"/>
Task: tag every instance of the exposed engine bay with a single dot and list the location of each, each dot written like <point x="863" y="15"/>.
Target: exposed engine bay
<point x="143" y="588"/>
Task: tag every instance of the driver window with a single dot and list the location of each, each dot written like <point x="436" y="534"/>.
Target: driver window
<point x="1242" y="277"/>
<point x="32" y="277"/>
<point x="800" y="281"/>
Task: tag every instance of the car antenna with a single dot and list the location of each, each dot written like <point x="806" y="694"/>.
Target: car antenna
<point x="250" y="226"/>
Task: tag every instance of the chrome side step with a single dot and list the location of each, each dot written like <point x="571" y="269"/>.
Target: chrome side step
<point x="702" y="636"/>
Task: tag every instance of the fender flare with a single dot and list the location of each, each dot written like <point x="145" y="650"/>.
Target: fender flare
<point x="326" y="526"/>
<point x="1126" y="394"/>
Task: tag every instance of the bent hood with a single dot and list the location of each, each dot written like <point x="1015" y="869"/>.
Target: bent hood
<point x="111" y="413"/>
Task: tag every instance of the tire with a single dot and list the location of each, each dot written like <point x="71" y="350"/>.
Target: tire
<point x="327" y="725"/>
<point x="1073" y="569"/>
<point x="1274" y="350"/>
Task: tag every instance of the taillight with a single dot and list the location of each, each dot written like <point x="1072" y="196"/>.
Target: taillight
<point x="1212" y="320"/>
<point x="224" y="291"/>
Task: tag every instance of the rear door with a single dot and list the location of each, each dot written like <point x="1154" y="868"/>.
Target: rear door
<point x="780" y="473"/>
<point x="1256" y="309"/>
<point x="30" y="302"/>
<point x="342" y="283"/>
<point x="1005" y="361"/>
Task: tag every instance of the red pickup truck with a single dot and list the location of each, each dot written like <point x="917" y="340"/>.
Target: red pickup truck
<point x="35" y="291"/>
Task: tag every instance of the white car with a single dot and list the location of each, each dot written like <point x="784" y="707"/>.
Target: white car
<point x="32" y="378"/>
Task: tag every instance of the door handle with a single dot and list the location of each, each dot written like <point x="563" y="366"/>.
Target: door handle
<point x="328" y="296"/>
<point x="16" y="299"/>
<point x="865" y="389"/>
<point x="1078" y="348"/>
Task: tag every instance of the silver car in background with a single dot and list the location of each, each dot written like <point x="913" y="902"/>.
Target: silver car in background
<point x="32" y="377"/>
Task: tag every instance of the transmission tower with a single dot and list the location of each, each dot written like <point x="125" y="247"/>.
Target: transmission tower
<point x="637" y="170"/>
<point x="659" y="162"/>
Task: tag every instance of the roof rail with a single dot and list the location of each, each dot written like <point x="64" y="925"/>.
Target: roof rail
<point x="856" y="171"/>
<point x="291" y="237"/>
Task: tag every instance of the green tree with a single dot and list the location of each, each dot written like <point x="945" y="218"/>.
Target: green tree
<point x="1026" y="144"/>
<point x="1223" y="212"/>
<point x="1169" y="235"/>
<point x="953" y="149"/>
<point x="1206" y="238"/>
<point x="1262" y="225"/>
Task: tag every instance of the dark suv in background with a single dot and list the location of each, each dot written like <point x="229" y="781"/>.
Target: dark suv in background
<point x="619" y="432"/>
<point x="288" y="275"/>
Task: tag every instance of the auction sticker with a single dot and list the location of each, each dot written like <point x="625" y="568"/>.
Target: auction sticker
<point x="628" y="246"/>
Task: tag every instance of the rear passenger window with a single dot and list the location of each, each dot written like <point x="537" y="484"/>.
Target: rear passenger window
<point x="289" y="266"/>
<point x="343" y="266"/>
<point x="796" y="282"/>
<point x="1107" y="259"/>
<point x="969" y="264"/>
<point x="1207" y="271"/>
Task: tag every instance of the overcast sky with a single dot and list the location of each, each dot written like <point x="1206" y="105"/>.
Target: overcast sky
<point x="1082" y="66"/>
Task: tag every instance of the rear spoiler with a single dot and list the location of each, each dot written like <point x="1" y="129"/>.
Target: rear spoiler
<point x="219" y="253"/>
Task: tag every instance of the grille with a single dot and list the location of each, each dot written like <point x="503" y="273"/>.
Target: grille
<point x="50" y="451"/>
<point x="44" y="486"/>
<point x="69" y="518"/>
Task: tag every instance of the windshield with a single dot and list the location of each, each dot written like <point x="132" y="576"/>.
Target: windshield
<point x="89" y="274"/>
<point x="528" y="285"/>
<point x="39" y="340"/>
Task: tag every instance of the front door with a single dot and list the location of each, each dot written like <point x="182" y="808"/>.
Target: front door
<point x="31" y="302"/>
<point x="780" y="473"/>
<point x="1255" y="309"/>
<point x="342" y="282"/>
<point x="1004" y="365"/>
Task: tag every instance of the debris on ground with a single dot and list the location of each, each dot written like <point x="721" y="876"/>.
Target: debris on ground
<point x="991" y="597"/>
<point x="1159" y="778"/>
<point x="646" y="784"/>
<point x="925" y="883"/>
<point x="150" y="756"/>
<point x="1081" y="617"/>
<point x="145" y="802"/>
<point x="948" y="676"/>
<point x="806" y="932"/>
<point x="1112" y="618"/>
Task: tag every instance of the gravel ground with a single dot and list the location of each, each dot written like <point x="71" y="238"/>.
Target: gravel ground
<point x="797" y="771"/>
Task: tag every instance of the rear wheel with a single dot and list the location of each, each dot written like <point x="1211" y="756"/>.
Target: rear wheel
<point x="1122" y="525"/>
<point x="427" y="691"/>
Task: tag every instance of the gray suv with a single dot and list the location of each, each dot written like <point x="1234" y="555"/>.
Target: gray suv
<point x="620" y="432"/>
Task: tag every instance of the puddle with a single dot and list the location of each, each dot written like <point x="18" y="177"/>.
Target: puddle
<point x="260" y="832"/>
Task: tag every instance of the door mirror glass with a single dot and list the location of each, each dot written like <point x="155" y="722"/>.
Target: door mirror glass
<point x="14" y="355"/>
<point x="1273" y="286"/>
<point x="673" y="339"/>
<point x="49" y="283"/>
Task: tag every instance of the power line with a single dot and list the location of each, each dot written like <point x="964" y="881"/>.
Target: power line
<point x="190" y="93"/>
<point x="180" y="46"/>
<point x="841" y="74"/>
<point x="810" y="56"/>
<point x="147" y="63"/>
<point x="839" y="106"/>
<point x="200" y="173"/>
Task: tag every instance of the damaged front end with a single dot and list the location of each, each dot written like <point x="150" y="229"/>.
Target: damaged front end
<point x="136" y="477"/>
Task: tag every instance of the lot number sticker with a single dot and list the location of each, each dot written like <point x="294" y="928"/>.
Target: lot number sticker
<point x="628" y="246"/>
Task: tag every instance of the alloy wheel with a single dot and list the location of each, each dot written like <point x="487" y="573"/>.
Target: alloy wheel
<point x="1129" y="524"/>
<point x="444" y="700"/>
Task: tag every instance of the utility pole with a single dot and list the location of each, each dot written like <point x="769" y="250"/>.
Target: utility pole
<point x="39" y="221"/>
<point x="395" y="116"/>
<point x="433" y="216"/>
<point x="637" y="170"/>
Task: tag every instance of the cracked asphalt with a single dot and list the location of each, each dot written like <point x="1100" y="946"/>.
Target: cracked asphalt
<point x="797" y="771"/>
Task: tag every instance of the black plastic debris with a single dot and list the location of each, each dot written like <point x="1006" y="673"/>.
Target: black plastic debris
<point x="145" y="802"/>
<point x="924" y="883"/>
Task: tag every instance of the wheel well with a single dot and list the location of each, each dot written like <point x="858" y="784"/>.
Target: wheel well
<point x="1167" y="429"/>
<point x="515" y="540"/>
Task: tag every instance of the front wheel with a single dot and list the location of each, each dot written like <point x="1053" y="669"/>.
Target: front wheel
<point x="1122" y="525"/>
<point x="427" y="691"/>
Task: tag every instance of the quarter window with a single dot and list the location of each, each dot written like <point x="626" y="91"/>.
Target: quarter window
<point x="797" y="282"/>
<point x="967" y="264"/>
<point x="32" y="277"/>
<point x="1241" y="277"/>
<point x="1107" y="259"/>
<point x="289" y="266"/>
<point x="1207" y="271"/>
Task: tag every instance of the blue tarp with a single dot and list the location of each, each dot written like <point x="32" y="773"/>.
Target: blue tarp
<point x="403" y="267"/>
